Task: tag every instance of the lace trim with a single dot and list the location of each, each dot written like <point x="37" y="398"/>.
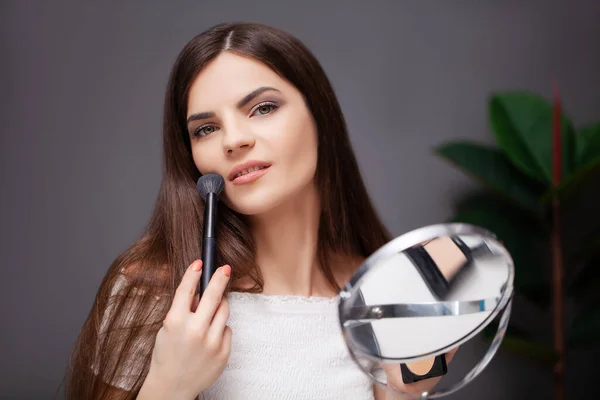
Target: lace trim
<point x="256" y="298"/>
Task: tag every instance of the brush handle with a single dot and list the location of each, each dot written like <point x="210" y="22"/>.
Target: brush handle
<point x="209" y="242"/>
<point x="209" y="255"/>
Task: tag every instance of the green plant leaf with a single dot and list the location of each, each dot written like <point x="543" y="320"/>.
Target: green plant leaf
<point x="586" y="327"/>
<point x="587" y="142"/>
<point x="489" y="201"/>
<point x="521" y="343"/>
<point x="586" y="283"/>
<point x="522" y="125"/>
<point x="508" y="139"/>
<point x="492" y="168"/>
<point x="569" y="187"/>
<point x="526" y="242"/>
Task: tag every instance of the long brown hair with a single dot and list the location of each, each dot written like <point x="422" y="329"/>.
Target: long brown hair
<point x="116" y="341"/>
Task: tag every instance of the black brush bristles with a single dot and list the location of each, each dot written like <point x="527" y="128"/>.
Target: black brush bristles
<point x="210" y="183"/>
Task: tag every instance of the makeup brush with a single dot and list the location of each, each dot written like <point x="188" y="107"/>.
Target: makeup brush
<point x="210" y="187"/>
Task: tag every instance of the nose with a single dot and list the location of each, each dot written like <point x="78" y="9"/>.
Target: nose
<point x="236" y="140"/>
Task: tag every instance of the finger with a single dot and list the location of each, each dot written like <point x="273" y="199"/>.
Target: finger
<point x="391" y="369"/>
<point x="184" y="294"/>
<point x="226" y="345"/>
<point x="211" y="298"/>
<point x="393" y="375"/>
<point x="195" y="302"/>
<point x="219" y="321"/>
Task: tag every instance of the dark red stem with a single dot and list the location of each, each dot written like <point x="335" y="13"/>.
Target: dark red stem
<point x="557" y="253"/>
<point x="557" y="275"/>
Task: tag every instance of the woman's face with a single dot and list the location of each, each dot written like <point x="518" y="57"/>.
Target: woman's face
<point x="252" y="127"/>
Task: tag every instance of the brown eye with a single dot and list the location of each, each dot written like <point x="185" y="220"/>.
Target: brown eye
<point x="205" y="130"/>
<point x="265" y="108"/>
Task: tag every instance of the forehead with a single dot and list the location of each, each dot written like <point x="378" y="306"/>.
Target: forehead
<point x="227" y="79"/>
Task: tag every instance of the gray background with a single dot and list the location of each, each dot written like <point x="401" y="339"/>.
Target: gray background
<point x="82" y="91"/>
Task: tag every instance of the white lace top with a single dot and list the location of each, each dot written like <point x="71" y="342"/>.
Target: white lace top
<point x="283" y="347"/>
<point x="287" y="347"/>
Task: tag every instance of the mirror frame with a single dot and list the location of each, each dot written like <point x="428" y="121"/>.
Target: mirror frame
<point x="403" y="242"/>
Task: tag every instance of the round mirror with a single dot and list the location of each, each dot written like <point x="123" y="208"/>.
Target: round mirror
<point x="422" y="300"/>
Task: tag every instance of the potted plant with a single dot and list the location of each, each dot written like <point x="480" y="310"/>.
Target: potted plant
<point x="529" y="180"/>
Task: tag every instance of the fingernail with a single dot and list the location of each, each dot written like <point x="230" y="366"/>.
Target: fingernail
<point x="198" y="266"/>
<point x="227" y="270"/>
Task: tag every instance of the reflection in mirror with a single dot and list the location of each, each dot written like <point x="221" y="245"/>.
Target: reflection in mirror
<point x="416" y="304"/>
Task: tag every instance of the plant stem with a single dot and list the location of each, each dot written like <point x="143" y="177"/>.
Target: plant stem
<point x="558" y="298"/>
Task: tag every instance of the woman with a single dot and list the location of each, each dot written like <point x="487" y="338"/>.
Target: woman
<point x="252" y="104"/>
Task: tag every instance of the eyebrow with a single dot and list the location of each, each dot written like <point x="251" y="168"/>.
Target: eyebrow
<point x="245" y="100"/>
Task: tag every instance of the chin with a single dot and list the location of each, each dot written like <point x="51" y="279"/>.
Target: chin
<point x="255" y="201"/>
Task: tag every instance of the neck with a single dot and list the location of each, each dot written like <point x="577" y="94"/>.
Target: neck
<point x="286" y="242"/>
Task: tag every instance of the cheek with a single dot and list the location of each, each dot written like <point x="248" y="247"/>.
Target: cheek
<point x="298" y="147"/>
<point x="204" y="157"/>
<point x="198" y="161"/>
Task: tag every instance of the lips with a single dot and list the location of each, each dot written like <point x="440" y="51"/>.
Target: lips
<point x="247" y="171"/>
<point x="249" y="168"/>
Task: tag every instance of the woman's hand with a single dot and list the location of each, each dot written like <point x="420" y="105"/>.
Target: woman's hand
<point x="193" y="346"/>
